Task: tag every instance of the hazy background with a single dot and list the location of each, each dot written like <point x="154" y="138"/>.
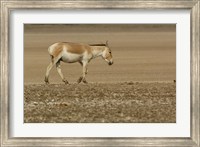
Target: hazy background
<point x="140" y="52"/>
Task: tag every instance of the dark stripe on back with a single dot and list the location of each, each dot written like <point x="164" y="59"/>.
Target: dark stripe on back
<point x="97" y="44"/>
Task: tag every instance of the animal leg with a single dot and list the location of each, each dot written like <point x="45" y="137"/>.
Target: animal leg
<point x="52" y="63"/>
<point x="81" y="77"/>
<point x="58" y="67"/>
<point x="84" y="72"/>
<point x="86" y="67"/>
<point x="47" y="73"/>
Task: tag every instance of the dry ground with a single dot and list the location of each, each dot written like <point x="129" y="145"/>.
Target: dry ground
<point x="144" y="54"/>
<point x="126" y="102"/>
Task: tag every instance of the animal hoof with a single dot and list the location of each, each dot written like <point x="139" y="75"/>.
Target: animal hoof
<point x="84" y="81"/>
<point x="65" y="81"/>
<point x="86" y="71"/>
<point x="79" y="80"/>
<point x="46" y="82"/>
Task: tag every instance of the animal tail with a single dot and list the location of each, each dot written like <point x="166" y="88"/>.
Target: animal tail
<point x="51" y="56"/>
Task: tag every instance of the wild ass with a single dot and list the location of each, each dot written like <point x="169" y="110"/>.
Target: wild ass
<point x="76" y="52"/>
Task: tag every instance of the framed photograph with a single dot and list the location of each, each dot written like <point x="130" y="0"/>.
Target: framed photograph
<point x="100" y="73"/>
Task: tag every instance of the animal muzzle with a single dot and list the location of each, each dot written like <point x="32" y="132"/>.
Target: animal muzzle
<point x="110" y="62"/>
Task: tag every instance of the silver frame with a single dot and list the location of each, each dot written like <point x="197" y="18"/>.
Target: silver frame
<point x="193" y="5"/>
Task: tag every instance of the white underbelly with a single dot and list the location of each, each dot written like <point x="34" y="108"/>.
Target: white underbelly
<point x="70" y="57"/>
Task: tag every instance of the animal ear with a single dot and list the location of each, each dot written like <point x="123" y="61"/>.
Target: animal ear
<point x="107" y="43"/>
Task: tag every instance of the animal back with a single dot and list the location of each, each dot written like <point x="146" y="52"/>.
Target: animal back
<point x="77" y="48"/>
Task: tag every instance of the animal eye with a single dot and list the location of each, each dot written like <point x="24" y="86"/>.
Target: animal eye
<point x="110" y="52"/>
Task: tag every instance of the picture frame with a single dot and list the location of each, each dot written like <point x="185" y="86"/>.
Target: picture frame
<point x="194" y="6"/>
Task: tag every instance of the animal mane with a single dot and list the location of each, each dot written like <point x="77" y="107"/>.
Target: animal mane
<point x="102" y="44"/>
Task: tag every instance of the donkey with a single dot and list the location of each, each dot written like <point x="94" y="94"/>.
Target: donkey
<point x="76" y="52"/>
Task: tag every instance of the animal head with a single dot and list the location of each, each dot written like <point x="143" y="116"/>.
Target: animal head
<point x="107" y="54"/>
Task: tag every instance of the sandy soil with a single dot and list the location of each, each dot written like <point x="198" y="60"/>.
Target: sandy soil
<point x="126" y="102"/>
<point x="144" y="54"/>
